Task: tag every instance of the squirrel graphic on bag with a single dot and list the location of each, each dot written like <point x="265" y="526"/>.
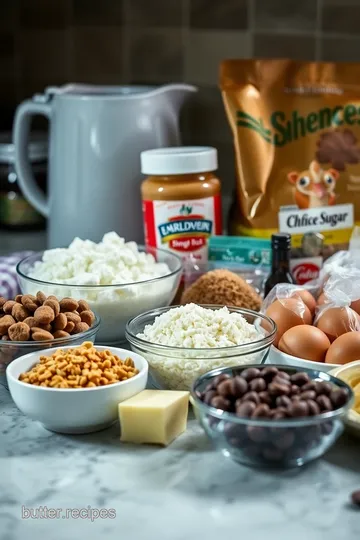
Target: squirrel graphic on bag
<point x="314" y="187"/>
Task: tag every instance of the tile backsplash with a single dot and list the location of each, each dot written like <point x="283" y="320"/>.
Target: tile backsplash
<point x="50" y="42"/>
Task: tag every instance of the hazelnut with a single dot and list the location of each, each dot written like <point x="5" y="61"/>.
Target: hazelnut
<point x="87" y="317"/>
<point x="83" y="306"/>
<point x="44" y="315"/>
<point x="42" y="335"/>
<point x="60" y="322"/>
<point x="73" y="317"/>
<point x="41" y="297"/>
<point x="2" y="302"/>
<point x="7" y="307"/>
<point x="68" y="304"/>
<point x="19" y="312"/>
<point x="53" y="304"/>
<point x="30" y="302"/>
<point x="5" y="323"/>
<point x="69" y="327"/>
<point x="30" y="321"/>
<point x="18" y="298"/>
<point x="61" y="334"/>
<point x="19" y="332"/>
<point x="80" y="327"/>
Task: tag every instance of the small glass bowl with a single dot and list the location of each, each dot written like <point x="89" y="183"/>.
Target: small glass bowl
<point x="176" y="368"/>
<point x="115" y="304"/>
<point x="9" y="350"/>
<point x="268" y="443"/>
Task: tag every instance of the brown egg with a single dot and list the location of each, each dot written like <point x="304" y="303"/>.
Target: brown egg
<point x="337" y="321"/>
<point x="306" y="342"/>
<point x="307" y="298"/>
<point x="285" y="316"/>
<point x="344" y="349"/>
<point x="356" y="306"/>
<point x="322" y="299"/>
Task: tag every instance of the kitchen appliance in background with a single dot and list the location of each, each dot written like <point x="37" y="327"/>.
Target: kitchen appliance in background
<point x="16" y="213"/>
<point x="96" y="136"/>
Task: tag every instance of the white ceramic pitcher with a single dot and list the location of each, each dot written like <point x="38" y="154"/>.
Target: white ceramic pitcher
<point x="96" y="136"/>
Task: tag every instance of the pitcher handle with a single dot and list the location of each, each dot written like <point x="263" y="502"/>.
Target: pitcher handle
<point x="21" y="131"/>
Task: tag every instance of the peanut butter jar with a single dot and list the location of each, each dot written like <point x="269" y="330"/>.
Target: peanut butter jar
<point x="181" y="200"/>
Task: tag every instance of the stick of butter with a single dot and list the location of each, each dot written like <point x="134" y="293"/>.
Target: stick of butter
<point x="154" y="416"/>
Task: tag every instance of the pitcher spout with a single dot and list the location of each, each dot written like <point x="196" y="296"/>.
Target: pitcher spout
<point x="177" y="93"/>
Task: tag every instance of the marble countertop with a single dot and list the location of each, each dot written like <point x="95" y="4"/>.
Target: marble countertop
<point x="183" y="491"/>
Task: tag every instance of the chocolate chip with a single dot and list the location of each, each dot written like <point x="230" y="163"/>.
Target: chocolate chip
<point x="251" y="396"/>
<point x="281" y="380"/>
<point x="225" y="388"/>
<point x="209" y="395"/>
<point x="220" y="402"/>
<point x="232" y="388"/>
<point x="272" y="454"/>
<point x="245" y="409"/>
<point x="257" y="434"/>
<point x="261" y="411"/>
<point x="269" y="373"/>
<point x="339" y="397"/>
<point x="219" y="378"/>
<point x="257" y="385"/>
<point x="283" y="401"/>
<point x="235" y="434"/>
<point x="240" y="386"/>
<point x="250" y="373"/>
<point x="298" y="409"/>
<point x="283" y="375"/>
<point x="300" y="378"/>
<point x="279" y="389"/>
<point x="279" y="415"/>
<point x="309" y="394"/>
<point x="324" y="403"/>
<point x="355" y="497"/>
<point x="309" y="386"/>
<point x="285" y="440"/>
<point x="323" y="387"/>
<point x="265" y="397"/>
<point x="314" y="408"/>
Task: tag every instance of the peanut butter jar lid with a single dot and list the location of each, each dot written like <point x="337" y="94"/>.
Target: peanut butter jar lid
<point x="179" y="160"/>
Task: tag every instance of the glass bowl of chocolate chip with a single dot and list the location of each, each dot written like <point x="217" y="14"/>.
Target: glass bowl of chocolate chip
<point x="273" y="416"/>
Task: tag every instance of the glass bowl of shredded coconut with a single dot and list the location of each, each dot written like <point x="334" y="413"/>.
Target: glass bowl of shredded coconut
<point x="118" y="279"/>
<point x="181" y="343"/>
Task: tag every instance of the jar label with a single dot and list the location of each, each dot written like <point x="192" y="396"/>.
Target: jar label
<point x="183" y="226"/>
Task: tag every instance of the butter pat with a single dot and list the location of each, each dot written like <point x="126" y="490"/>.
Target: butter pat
<point x="154" y="416"/>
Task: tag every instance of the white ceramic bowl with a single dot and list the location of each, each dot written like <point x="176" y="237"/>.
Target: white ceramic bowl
<point x="278" y="357"/>
<point x="73" y="410"/>
<point x="352" y="418"/>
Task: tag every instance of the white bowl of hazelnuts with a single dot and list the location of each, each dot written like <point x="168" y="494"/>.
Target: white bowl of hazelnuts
<point x="31" y="323"/>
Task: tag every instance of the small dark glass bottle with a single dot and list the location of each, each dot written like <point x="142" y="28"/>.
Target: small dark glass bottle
<point x="280" y="269"/>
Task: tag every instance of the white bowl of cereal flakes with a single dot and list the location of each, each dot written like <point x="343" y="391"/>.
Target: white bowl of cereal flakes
<point x="75" y="390"/>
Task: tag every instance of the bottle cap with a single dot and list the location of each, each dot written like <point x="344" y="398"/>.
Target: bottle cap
<point x="281" y="241"/>
<point x="179" y="160"/>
